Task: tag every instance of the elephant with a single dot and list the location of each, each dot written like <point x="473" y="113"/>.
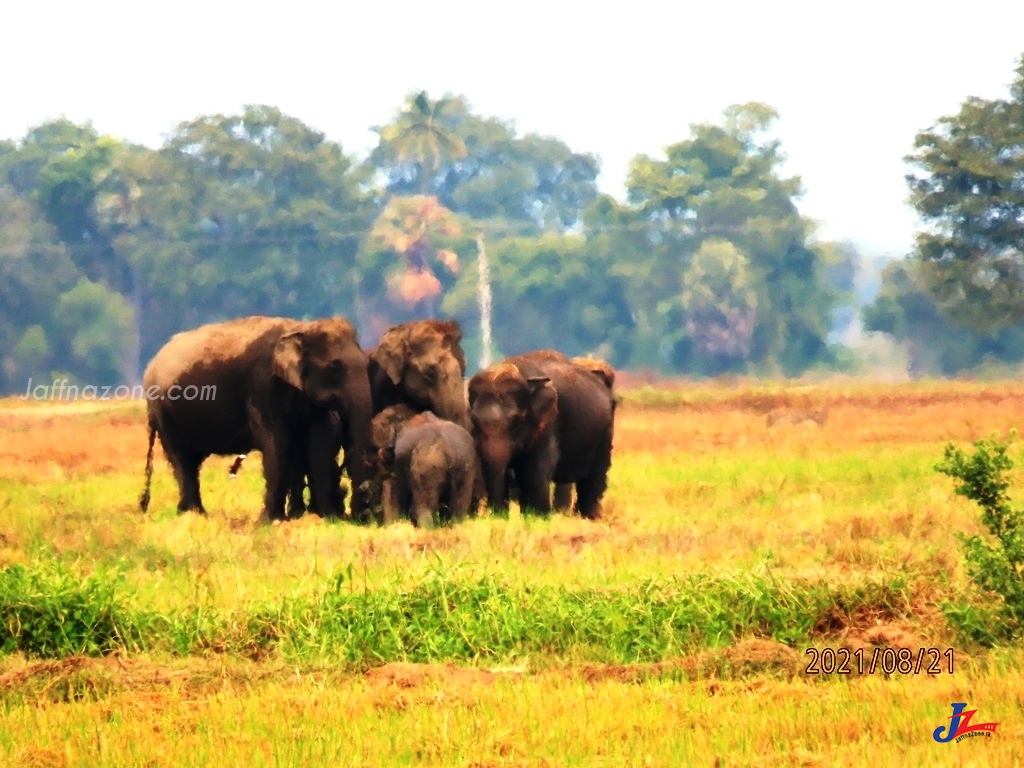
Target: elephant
<point x="421" y="364"/>
<point x="429" y="464"/>
<point x="293" y="390"/>
<point x="606" y="373"/>
<point x="547" y="420"/>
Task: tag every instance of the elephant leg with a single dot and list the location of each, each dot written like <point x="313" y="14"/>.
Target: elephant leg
<point x="563" y="495"/>
<point x="425" y="484"/>
<point x="538" y="493"/>
<point x="297" y="490"/>
<point x="538" y="474"/>
<point x="296" y="499"/>
<point x="391" y="502"/>
<point x="186" y="466"/>
<point x="326" y="497"/>
<point x="460" y="497"/>
<point x="278" y="476"/>
<point x="321" y="458"/>
<point x="590" y="489"/>
<point x="404" y="497"/>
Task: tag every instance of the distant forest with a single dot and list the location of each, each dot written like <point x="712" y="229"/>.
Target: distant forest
<point x="706" y="268"/>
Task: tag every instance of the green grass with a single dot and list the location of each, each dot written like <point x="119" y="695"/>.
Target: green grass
<point x="448" y="616"/>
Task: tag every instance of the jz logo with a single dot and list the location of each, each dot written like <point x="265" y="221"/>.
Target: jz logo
<point x="959" y="726"/>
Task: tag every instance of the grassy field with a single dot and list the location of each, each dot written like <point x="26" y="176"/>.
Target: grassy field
<point x="744" y="525"/>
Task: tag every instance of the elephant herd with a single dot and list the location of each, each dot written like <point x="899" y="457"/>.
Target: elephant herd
<point x="417" y="441"/>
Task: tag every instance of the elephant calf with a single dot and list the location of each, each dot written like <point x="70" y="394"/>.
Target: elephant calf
<point x="430" y="464"/>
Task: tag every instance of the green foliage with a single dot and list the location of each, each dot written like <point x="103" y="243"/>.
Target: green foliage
<point x="109" y="248"/>
<point x="906" y="309"/>
<point x="50" y="612"/>
<point x="548" y="292"/>
<point x="968" y="186"/>
<point x="97" y="325"/>
<point x="723" y="184"/>
<point x="449" y="616"/>
<point x="996" y="562"/>
<point x="479" y="167"/>
<point x="719" y="303"/>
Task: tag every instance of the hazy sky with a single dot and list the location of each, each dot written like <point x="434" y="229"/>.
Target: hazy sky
<point x="852" y="82"/>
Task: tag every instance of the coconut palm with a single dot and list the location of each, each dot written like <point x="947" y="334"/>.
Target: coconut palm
<point x="423" y="135"/>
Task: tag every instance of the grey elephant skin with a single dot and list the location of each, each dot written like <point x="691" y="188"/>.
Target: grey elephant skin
<point x="430" y="466"/>
<point x="540" y="418"/>
<point x="292" y="390"/>
<point x="421" y="364"/>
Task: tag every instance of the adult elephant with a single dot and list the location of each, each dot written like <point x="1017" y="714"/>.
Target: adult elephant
<point x="547" y="420"/>
<point x="606" y="374"/>
<point x="292" y="390"/>
<point x="421" y="365"/>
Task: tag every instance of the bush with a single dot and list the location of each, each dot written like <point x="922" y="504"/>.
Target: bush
<point x="995" y="562"/>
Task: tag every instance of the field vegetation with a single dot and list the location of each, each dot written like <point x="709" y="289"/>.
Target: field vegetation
<point x="745" y="523"/>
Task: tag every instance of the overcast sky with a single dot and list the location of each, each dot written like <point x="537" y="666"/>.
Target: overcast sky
<point x="852" y="82"/>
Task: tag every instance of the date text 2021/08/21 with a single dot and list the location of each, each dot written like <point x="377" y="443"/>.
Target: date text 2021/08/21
<point x="879" y="660"/>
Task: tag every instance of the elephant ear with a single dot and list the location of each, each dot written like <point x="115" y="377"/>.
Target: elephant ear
<point x="286" y="363"/>
<point x="543" y="405"/>
<point x="391" y="353"/>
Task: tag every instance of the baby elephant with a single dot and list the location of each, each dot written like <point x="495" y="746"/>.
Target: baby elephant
<point x="429" y="464"/>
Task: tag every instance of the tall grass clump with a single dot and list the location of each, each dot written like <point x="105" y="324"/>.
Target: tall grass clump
<point x="47" y="611"/>
<point x="995" y="562"/>
<point x="450" y="616"/>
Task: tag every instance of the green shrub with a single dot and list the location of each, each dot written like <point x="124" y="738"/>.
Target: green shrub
<point x="994" y="562"/>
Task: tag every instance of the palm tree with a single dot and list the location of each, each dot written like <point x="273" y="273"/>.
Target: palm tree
<point x="422" y="134"/>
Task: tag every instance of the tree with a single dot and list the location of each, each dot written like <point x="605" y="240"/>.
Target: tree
<point x="254" y="213"/>
<point x="478" y="166"/>
<point x="968" y="187"/>
<point x="415" y="229"/>
<point x="421" y="140"/>
<point x="548" y="292"/>
<point x="34" y="269"/>
<point x="906" y="310"/>
<point x="723" y="183"/>
<point x="96" y="327"/>
<point x="720" y="305"/>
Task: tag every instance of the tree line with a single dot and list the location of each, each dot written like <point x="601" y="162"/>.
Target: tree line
<point x="107" y="248"/>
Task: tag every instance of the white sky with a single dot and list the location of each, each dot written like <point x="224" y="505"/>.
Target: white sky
<point x="852" y="82"/>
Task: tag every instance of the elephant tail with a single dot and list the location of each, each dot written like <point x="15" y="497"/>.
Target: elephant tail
<point x="144" y="499"/>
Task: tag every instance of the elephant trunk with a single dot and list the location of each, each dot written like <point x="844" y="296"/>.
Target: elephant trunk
<point x="357" y="458"/>
<point x="359" y="453"/>
<point x="450" y="403"/>
<point x="494" y="460"/>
